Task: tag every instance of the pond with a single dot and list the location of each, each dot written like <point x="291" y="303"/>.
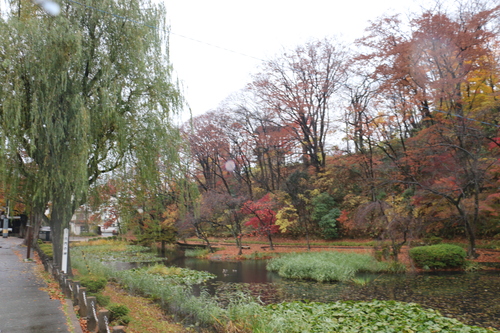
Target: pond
<point x="473" y="298"/>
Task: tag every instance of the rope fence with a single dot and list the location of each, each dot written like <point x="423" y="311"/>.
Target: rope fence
<point x="97" y="321"/>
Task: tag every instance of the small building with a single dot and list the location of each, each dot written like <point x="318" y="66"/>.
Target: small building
<point x="80" y="221"/>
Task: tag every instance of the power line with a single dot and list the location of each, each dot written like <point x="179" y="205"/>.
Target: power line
<point x="173" y="33"/>
<point x="223" y="48"/>
<point x="216" y="46"/>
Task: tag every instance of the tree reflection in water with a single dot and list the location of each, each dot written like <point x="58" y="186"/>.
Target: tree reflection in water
<point x="473" y="298"/>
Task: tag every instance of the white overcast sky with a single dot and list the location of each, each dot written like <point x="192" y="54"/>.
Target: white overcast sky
<point x="216" y="45"/>
<point x="258" y="29"/>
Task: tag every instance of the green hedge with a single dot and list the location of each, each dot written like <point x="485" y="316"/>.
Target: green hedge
<point x="46" y="248"/>
<point x="94" y="284"/>
<point x="438" y="256"/>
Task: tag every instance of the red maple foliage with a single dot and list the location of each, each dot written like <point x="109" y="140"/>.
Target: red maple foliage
<point x="264" y="217"/>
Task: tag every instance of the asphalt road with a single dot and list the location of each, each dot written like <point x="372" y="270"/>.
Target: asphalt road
<point x="24" y="307"/>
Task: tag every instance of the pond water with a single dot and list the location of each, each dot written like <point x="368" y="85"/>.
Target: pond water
<point x="473" y="298"/>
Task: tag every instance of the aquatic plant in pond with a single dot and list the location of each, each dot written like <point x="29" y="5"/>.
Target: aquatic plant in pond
<point x="235" y="307"/>
<point x="117" y="251"/>
<point x="362" y="280"/>
<point x="196" y="253"/>
<point x="175" y="275"/>
<point x="324" y="266"/>
<point x="349" y="316"/>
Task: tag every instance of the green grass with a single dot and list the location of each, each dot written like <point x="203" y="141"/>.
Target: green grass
<point x="490" y="245"/>
<point x="362" y="280"/>
<point x="324" y="266"/>
<point x="177" y="298"/>
<point x="173" y="275"/>
<point x="259" y="255"/>
<point x="196" y="253"/>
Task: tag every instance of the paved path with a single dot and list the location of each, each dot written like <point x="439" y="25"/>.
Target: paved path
<point x="24" y="307"/>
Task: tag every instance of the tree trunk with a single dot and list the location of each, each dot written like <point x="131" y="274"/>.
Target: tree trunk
<point x="35" y="221"/>
<point x="471" y="235"/>
<point x="240" y="247"/>
<point x="59" y="219"/>
<point x="271" y="246"/>
<point x="209" y="246"/>
<point x="471" y="251"/>
<point x="163" y="248"/>
<point x="306" y="228"/>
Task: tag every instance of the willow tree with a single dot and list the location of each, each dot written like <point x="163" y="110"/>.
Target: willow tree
<point x="82" y="94"/>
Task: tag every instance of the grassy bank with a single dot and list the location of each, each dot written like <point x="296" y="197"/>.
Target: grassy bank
<point x="172" y="288"/>
<point x="146" y="315"/>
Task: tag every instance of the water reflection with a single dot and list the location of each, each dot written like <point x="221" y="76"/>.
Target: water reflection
<point x="473" y="298"/>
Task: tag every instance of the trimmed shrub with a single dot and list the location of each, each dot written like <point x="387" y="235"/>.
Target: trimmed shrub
<point x="46" y="248"/>
<point x="119" y="314"/>
<point x="94" y="284"/>
<point x="102" y="300"/>
<point x="438" y="256"/>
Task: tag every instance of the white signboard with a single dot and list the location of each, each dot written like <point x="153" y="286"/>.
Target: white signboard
<point x="64" y="266"/>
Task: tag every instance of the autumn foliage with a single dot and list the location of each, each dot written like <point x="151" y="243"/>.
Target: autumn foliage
<point x="263" y="217"/>
<point x="417" y="101"/>
<point x="395" y="137"/>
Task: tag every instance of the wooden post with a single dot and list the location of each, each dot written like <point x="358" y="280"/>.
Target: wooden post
<point x="103" y="321"/>
<point x="62" y="281"/>
<point x="69" y="288"/>
<point x="91" y="314"/>
<point x="76" y="285"/>
<point x="55" y="272"/>
<point x="82" y="302"/>
<point x="28" y="242"/>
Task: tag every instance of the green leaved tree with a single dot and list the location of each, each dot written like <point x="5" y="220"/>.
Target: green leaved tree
<point x="325" y="214"/>
<point x="82" y="94"/>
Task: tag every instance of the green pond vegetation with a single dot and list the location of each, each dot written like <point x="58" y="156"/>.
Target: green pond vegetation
<point x="114" y="251"/>
<point x="172" y="287"/>
<point x="196" y="253"/>
<point x="349" y="316"/>
<point x="327" y="266"/>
